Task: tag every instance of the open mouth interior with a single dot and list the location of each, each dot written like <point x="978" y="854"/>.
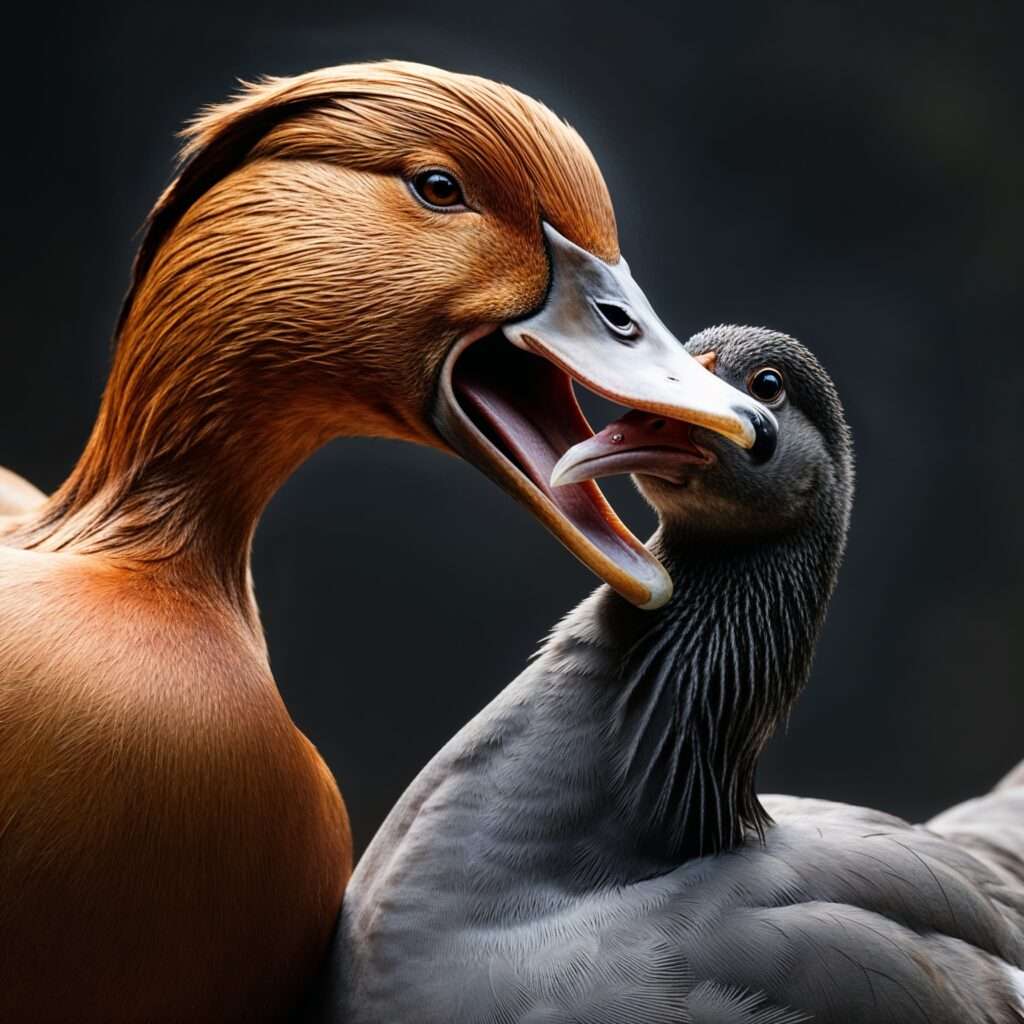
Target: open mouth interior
<point x="525" y="408"/>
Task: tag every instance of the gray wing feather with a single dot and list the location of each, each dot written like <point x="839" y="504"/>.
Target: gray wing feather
<point x="844" y="916"/>
<point x="991" y="827"/>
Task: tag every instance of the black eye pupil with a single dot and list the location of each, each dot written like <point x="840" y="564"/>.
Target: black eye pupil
<point x="437" y="188"/>
<point x="440" y="185"/>
<point x="766" y="385"/>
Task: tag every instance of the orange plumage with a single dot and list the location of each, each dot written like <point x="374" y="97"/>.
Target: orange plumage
<point x="171" y="847"/>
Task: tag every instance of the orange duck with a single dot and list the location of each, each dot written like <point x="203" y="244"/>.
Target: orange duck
<point x="386" y="250"/>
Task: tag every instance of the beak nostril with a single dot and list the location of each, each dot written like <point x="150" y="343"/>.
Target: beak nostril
<point x="675" y="380"/>
<point x="657" y="424"/>
<point x="617" y="318"/>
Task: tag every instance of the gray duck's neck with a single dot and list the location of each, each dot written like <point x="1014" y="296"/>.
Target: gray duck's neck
<point x="686" y="697"/>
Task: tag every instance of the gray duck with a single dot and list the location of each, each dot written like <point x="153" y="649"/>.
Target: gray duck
<point x="591" y="848"/>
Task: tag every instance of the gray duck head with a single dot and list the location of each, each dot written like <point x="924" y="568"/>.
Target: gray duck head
<point x="798" y="477"/>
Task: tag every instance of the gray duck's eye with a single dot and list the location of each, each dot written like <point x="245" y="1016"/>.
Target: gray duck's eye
<point x="766" y="384"/>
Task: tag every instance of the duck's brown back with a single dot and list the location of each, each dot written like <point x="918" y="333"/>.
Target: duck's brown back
<point x="17" y="495"/>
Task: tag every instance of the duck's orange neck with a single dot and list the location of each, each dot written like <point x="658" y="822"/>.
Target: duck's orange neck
<point x="185" y="454"/>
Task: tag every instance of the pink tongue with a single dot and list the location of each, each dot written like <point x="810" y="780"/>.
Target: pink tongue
<point x="644" y="430"/>
<point x="639" y="442"/>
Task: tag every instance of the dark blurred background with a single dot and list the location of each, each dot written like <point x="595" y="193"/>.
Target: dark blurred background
<point x="854" y="177"/>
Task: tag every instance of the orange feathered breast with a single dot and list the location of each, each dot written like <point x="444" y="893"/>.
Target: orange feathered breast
<point x="173" y="848"/>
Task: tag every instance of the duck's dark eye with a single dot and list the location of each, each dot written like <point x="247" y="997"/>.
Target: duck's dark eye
<point x="438" y="189"/>
<point x="766" y="384"/>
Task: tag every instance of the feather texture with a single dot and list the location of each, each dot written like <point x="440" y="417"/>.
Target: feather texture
<point x="508" y="886"/>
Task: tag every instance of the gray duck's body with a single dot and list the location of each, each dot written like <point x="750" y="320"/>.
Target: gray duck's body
<point x="590" y="849"/>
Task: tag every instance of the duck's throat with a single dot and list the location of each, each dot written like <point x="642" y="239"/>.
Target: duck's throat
<point x="689" y="695"/>
<point x="178" y="470"/>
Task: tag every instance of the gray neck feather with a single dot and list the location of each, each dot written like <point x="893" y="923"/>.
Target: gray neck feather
<point x="688" y="696"/>
<point x="630" y="745"/>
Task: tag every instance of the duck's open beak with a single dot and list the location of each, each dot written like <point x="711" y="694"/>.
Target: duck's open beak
<point x="510" y="408"/>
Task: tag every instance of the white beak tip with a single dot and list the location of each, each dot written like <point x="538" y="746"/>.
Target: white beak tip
<point x="564" y="473"/>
